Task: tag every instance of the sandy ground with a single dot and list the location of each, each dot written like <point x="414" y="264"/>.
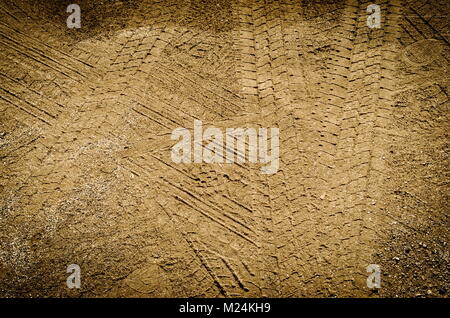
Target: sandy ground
<point x="87" y="178"/>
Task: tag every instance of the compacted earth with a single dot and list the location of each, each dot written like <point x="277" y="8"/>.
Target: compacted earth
<point x="86" y="117"/>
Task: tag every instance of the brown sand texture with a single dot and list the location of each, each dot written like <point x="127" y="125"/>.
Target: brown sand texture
<point x="86" y="117"/>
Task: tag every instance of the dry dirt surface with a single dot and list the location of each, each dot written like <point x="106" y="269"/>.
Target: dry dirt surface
<point x="86" y="117"/>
